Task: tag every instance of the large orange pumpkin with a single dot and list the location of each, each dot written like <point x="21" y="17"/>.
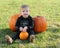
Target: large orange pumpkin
<point x="40" y="24"/>
<point x="23" y="35"/>
<point x="12" y="21"/>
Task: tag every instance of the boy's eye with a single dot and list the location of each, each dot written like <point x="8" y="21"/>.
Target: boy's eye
<point x="26" y="10"/>
<point x="23" y="11"/>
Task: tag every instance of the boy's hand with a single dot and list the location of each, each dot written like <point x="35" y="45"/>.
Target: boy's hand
<point x="25" y="28"/>
<point x="21" y="29"/>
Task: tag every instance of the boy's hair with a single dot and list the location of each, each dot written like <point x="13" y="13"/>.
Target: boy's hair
<point x="24" y="6"/>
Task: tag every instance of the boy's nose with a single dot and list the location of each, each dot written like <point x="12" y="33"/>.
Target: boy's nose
<point x="25" y="13"/>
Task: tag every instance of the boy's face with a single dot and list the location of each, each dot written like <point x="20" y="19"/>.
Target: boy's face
<point x="25" y="12"/>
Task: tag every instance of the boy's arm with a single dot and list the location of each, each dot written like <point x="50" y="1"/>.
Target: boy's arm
<point x="31" y="24"/>
<point x="17" y="25"/>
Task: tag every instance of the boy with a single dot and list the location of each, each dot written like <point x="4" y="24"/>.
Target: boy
<point x="24" y="23"/>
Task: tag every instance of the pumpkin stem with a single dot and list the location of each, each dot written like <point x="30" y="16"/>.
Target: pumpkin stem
<point x="38" y="16"/>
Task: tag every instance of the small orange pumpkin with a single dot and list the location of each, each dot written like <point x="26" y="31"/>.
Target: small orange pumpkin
<point x="40" y="24"/>
<point x="12" y="21"/>
<point x="23" y="35"/>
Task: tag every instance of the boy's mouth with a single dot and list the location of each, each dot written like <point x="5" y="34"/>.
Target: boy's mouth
<point x="26" y="14"/>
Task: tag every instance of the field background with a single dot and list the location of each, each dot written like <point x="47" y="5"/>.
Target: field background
<point x="50" y="9"/>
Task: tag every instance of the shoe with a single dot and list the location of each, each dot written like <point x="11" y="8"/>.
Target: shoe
<point x="8" y="39"/>
<point x="32" y="37"/>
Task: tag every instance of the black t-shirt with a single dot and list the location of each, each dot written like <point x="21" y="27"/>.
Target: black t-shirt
<point x="22" y="22"/>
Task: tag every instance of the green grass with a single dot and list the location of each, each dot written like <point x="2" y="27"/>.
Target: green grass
<point x="50" y="9"/>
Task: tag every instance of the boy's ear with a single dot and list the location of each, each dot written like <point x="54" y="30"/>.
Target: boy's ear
<point x="19" y="9"/>
<point x="29" y="9"/>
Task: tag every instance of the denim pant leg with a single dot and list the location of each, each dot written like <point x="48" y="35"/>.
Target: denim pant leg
<point x="31" y="32"/>
<point x="16" y="36"/>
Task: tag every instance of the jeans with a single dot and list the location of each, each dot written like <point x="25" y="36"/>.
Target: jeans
<point x="16" y="36"/>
